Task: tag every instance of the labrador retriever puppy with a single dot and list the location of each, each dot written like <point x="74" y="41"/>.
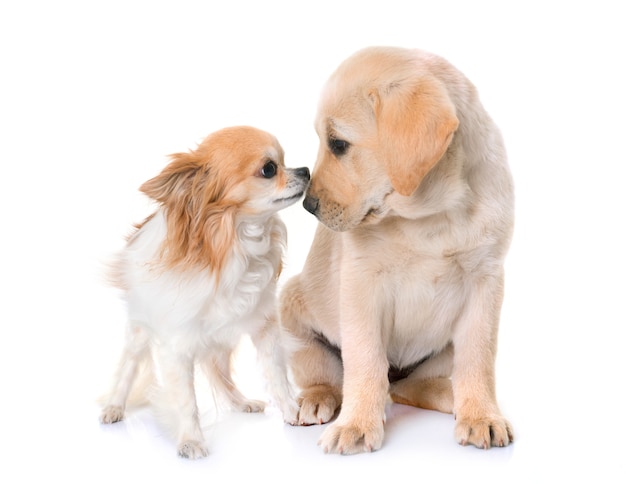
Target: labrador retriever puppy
<point x="401" y="292"/>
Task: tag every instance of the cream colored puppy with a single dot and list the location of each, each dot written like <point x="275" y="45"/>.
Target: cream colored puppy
<point x="402" y="288"/>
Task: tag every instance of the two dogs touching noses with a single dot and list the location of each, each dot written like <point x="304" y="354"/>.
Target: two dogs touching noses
<point x="399" y="296"/>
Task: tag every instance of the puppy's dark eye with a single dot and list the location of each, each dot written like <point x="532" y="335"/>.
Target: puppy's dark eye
<point x="338" y="147"/>
<point x="269" y="169"/>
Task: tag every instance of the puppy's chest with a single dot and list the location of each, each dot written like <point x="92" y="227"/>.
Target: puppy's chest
<point x="431" y="285"/>
<point x="401" y="265"/>
<point x="419" y="296"/>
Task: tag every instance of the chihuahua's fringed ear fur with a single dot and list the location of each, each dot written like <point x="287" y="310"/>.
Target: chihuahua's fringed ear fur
<point x="174" y="180"/>
<point x="200" y="220"/>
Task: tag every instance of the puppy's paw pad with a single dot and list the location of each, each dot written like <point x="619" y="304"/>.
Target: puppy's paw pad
<point x="484" y="433"/>
<point x="111" y="414"/>
<point x="192" y="449"/>
<point x="317" y="406"/>
<point x="352" y="438"/>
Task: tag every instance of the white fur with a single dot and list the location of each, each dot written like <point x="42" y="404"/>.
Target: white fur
<point x="179" y="318"/>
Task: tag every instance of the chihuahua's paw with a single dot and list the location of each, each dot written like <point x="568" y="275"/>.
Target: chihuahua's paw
<point x="290" y="411"/>
<point x="251" y="406"/>
<point x="111" y="414"/>
<point x="192" y="449"/>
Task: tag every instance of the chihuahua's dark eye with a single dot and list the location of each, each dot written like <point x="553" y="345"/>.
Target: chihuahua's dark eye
<point x="269" y="169"/>
<point x="338" y="146"/>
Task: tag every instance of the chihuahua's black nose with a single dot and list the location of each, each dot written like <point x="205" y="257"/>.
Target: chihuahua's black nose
<point x="311" y="204"/>
<point x="303" y="172"/>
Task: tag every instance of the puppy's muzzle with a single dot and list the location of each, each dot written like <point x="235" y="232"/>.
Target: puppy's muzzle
<point x="311" y="204"/>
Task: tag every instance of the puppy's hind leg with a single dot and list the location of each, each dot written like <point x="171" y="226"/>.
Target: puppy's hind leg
<point x="429" y="385"/>
<point x="136" y="351"/>
<point x="315" y="362"/>
<point x="431" y="394"/>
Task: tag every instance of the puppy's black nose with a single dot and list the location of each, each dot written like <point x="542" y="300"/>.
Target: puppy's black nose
<point x="311" y="204"/>
<point x="303" y="173"/>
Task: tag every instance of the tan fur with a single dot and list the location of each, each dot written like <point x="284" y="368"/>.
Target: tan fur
<point x="198" y="189"/>
<point x="407" y="264"/>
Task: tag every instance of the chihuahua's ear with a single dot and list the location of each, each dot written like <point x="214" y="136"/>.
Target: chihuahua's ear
<point x="174" y="181"/>
<point x="416" y="122"/>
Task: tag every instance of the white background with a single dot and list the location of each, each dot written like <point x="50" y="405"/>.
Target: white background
<point x="94" y="95"/>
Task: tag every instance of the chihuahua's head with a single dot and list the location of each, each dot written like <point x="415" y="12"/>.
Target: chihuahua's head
<point x="235" y="174"/>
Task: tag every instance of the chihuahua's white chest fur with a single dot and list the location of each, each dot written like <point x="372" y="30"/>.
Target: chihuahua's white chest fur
<point x="193" y="306"/>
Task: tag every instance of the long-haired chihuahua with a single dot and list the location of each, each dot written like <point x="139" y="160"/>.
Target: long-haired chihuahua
<point x="201" y="272"/>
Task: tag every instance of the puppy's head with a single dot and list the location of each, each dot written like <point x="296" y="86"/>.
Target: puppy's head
<point x="383" y="121"/>
<point x="235" y="174"/>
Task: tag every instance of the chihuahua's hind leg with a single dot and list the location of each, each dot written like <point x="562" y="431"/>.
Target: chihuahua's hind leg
<point x="136" y="351"/>
<point x="218" y="369"/>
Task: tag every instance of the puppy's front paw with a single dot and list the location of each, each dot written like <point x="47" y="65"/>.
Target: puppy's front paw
<point x="484" y="432"/>
<point x="192" y="449"/>
<point x="352" y="437"/>
<point x="111" y="414"/>
<point x="318" y="405"/>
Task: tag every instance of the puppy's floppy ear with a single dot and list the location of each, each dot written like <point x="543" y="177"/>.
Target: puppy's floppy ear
<point x="416" y="123"/>
<point x="175" y="179"/>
